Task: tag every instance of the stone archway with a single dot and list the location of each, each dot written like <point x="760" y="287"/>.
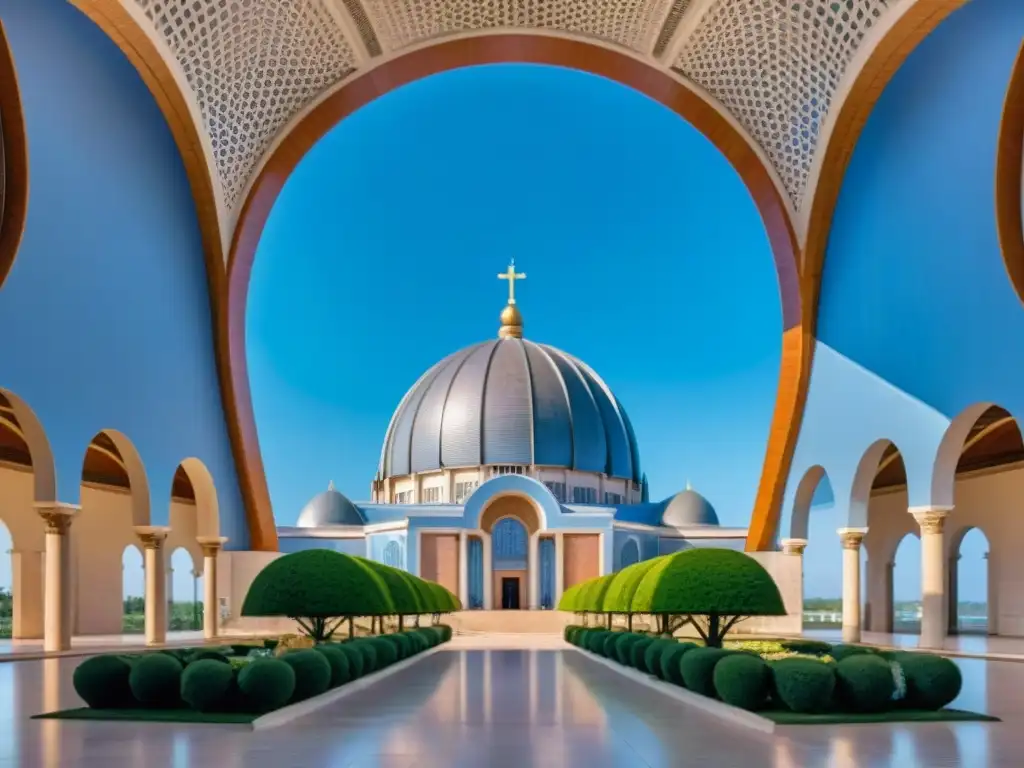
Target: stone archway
<point x="513" y="526"/>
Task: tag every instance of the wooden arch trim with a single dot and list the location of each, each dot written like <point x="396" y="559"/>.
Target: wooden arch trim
<point x="655" y="83"/>
<point x="14" y="156"/>
<point x="1009" y="168"/>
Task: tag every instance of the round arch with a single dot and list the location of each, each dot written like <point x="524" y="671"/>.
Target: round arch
<point x="136" y="471"/>
<point x="954" y="442"/>
<point x="13" y="159"/>
<point x="44" y="470"/>
<point x="207" y="510"/>
<point x="629" y="552"/>
<point x="661" y="85"/>
<point x="1009" y="159"/>
<point x="864" y="480"/>
<point x="803" y="499"/>
<point x="512" y="506"/>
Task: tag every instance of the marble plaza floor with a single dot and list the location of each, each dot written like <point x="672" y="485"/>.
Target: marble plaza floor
<point x="482" y="702"/>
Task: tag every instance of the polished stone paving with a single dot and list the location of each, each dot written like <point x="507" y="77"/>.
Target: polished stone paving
<point x="494" y="707"/>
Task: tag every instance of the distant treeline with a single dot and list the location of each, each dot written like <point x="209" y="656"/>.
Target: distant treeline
<point x="964" y="608"/>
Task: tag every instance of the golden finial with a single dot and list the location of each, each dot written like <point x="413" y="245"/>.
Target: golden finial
<point x="511" y="319"/>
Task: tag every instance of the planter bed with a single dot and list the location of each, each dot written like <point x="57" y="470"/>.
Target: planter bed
<point x="765" y="683"/>
<point x="208" y="686"/>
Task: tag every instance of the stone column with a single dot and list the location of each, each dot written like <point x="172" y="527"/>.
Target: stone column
<point x="793" y="547"/>
<point x="992" y="583"/>
<point x="155" y="561"/>
<point x="485" y="543"/>
<point x="934" y="602"/>
<point x="533" y="571"/>
<point x="464" y="569"/>
<point x="559" y="567"/>
<point x="27" y="569"/>
<point x="851" y="539"/>
<point x="58" y="597"/>
<point x="211" y="604"/>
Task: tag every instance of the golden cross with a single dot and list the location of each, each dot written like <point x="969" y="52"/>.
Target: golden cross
<point x="511" y="275"/>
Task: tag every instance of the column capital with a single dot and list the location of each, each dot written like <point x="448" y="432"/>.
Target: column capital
<point x="57" y="515"/>
<point x="931" y="519"/>
<point x="211" y="545"/>
<point x="852" y="538"/>
<point x="152" y="536"/>
<point x="793" y="546"/>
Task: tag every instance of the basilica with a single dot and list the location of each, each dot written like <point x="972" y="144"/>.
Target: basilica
<point x="509" y="472"/>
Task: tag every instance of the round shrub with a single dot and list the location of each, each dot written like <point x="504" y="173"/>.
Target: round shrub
<point x="595" y="641"/>
<point x="206" y="684"/>
<point x="670" y="659"/>
<point x="265" y="685"/>
<point x="639" y="653"/>
<point x="102" y="682"/>
<point x="864" y="683"/>
<point x="340" y="673"/>
<point x="206" y="654"/>
<point x="402" y="644"/>
<point x="652" y="655"/>
<point x="356" y="664"/>
<point x="803" y="685"/>
<point x="741" y="679"/>
<point x="624" y="647"/>
<point x="416" y="643"/>
<point x="244" y="650"/>
<point x="387" y="654"/>
<point x="840" y="652"/>
<point x="312" y="673"/>
<point x="369" y="654"/>
<point x="811" y="647"/>
<point x="933" y="682"/>
<point x="608" y="646"/>
<point x="697" y="668"/>
<point x="155" y="681"/>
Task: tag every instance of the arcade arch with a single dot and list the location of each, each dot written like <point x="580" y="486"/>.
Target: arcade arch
<point x="133" y="591"/>
<point x="971" y="592"/>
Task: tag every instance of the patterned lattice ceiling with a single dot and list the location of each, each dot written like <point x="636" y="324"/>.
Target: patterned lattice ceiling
<point x="253" y="65"/>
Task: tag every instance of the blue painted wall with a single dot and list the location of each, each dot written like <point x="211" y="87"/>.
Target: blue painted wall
<point x="916" y="308"/>
<point x="106" y="309"/>
<point x="377" y="546"/>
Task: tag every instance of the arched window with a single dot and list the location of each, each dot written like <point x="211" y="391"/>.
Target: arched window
<point x="393" y="554"/>
<point x="509" y="536"/>
<point x="629" y="554"/>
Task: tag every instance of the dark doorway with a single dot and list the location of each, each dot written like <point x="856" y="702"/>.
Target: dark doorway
<point x="510" y="593"/>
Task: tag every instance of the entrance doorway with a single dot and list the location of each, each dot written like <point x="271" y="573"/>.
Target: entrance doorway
<point x="510" y="593"/>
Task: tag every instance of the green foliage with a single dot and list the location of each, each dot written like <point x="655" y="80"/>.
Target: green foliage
<point x="720" y="584"/>
<point x="592" y="593"/>
<point x="356" y="663"/>
<point x="670" y="659"/>
<point x="155" y="681"/>
<point x="803" y="685"/>
<point x="697" y="668"/>
<point x="570" y="599"/>
<point x="608" y="646"/>
<point x="638" y="658"/>
<point x="595" y="640"/>
<point x="315" y="586"/>
<point x="402" y="644"/>
<point x="933" y="682"/>
<point x="206" y="685"/>
<point x="424" y="594"/>
<point x="741" y="679"/>
<point x="206" y="655"/>
<point x="864" y="683"/>
<point x="624" y="647"/>
<point x="405" y="600"/>
<point x="840" y="652"/>
<point x="369" y="654"/>
<point x="387" y="654"/>
<point x="313" y="673"/>
<point x="102" y="682"/>
<point x="653" y="654"/>
<point x="810" y="647"/>
<point x="618" y="596"/>
<point x="265" y="685"/>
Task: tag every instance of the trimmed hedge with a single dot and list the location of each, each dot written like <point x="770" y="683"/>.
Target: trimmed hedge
<point x="864" y="683"/>
<point x="652" y="656"/>
<point x="670" y="660"/>
<point x="933" y="682"/>
<point x="639" y="654"/>
<point x="803" y="685"/>
<point x="840" y="652"/>
<point x="742" y="680"/>
<point x="215" y="682"/>
<point x="697" y="668"/>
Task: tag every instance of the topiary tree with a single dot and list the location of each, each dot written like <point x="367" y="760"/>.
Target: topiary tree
<point x="318" y="589"/>
<point x="618" y="597"/>
<point x="592" y="594"/>
<point x="712" y="589"/>
<point x="423" y="592"/>
<point x="404" y="597"/>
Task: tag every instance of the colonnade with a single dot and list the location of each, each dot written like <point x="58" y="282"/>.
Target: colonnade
<point x="935" y="576"/>
<point x="533" y="567"/>
<point x="57" y="587"/>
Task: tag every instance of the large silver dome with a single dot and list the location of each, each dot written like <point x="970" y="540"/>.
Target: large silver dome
<point x="510" y="401"/>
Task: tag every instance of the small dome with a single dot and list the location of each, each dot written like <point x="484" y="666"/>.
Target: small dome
<point x="329" y="508"/>
<point x="688" y="508"/>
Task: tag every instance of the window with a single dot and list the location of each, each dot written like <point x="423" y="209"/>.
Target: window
<point x="508" y="469"/>
<point x="464" y="490"/>
<point x="431" y="495"/>
<point x="403" y="497"/>
<point x="612" y="498"/>
<point x="557" y="489"/>
<point x="584" y="495"/>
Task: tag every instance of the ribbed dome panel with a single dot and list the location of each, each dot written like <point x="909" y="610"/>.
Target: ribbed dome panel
<point x="552" y="420"/>
<point x="463" y="413"/>
<point x="508" y="410"/>
<point x="510" y="401"/>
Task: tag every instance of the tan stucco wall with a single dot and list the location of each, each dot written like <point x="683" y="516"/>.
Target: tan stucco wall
<point x="582" y="558"/>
